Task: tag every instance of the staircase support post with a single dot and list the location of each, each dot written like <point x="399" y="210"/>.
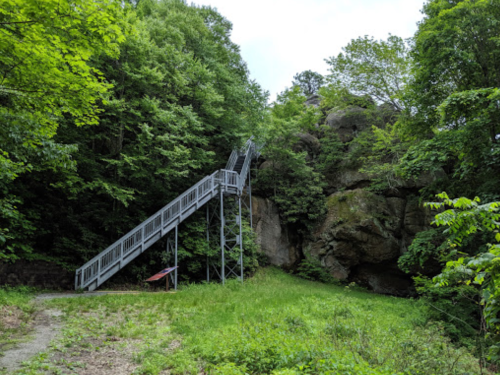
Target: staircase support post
<point x="175" y="275"/>
<point x="241" y="238"/>
<point x="250" y="196"/>
<point x="208" y="242"/>
<point x="222" y="237"/>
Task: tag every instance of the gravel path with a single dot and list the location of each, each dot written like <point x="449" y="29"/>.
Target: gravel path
<point x="46" y="327"/>
<point x="47" y="296"/>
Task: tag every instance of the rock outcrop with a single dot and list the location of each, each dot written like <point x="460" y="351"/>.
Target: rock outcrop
<point x="308" y="143"/>
<point x="274" y="239"/>
<point x="364" y="233"/>
<point x="348" y="122"/>
<point x="363" y="236"/>
<point x="360" y="240"/>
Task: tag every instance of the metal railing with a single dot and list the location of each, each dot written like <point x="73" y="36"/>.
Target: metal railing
<point x="112" y="259"/>
<point x="232" y="160"/>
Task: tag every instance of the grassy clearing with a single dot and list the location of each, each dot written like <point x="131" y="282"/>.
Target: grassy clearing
<point x="15" y="313"/>
<point x="273" y="324"/>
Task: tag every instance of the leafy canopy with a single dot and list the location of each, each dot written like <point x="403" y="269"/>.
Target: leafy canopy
<point x="464" y="218"/>
<point x="375" y="68"/>
<point x="308" y="81"/>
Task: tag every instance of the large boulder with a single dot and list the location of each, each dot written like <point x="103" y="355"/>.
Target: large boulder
<point x="360" y="227"/>
<point x="353" y="179"/>
<point x="273" y="238"/>
<point x="314" y="101"/>
<point x="348" y="122"/>
<point x="308" y="143"/>
<point x="364" y="234"/>
<point x="417" y="217"/>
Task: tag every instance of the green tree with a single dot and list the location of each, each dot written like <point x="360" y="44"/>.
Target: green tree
<point x="181" y="98"/>
<point x="308" y="81"/>
<point x="454" y="94"/>
<point x="464" y="218"/>
<point x="456" y="49"/>
<point x="371" y="68"/>
<point x="287" y="177"/>
<point x="46" y="74"/>
<point x="46" y="48"/>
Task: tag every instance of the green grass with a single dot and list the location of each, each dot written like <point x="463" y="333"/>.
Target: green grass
<point x="15" y="313"/>
<point x="273" y="324"/>
<point x="16" y="296"/>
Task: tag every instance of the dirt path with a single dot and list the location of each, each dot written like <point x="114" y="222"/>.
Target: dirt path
<point x="46" y="327"/>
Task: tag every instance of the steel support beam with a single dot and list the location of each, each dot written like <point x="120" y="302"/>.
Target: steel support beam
<point x="176" y="247"/>
<point x="222" y="238"/>
<point x="241" y="239"/>
<point x="249" y="190"/>
<point x="208" y="242"/>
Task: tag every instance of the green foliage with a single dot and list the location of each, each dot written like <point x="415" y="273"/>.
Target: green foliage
<point x="464" y="218"/>
<point x="381" y="164"/>
<point x="287" y="178"/>
<point x="457" y="308"/>
<point x="308" y="81"/>
<point x="272" y="324"/>
<point x="367" y="67"/>
<point x="456" y="49"/>
<point x="294" y="186"/>
<point x="46" y="47"/>
<point x="427" y="245"/>
<point x="178" y="98"/>
<point x="453" y="95"/>
<point x="46" y="70"/>
<point x="311" y="269"/>
<point x="332" y="153"/>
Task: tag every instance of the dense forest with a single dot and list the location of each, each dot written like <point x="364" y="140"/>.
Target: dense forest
<point x="111" y="109"/>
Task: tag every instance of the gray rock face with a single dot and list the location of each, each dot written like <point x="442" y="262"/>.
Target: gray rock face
<point x="313" y="100"/>
<point x="363" y="235"/>
<point x="348" y="122"/>
<point x="273" y="238"/>
<point x="417" y="218"/>
<point x="308" y="143"/>
<point x="352" y="179"/>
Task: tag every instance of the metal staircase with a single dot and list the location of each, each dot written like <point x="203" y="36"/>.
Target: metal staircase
<point x="228" y="181"/>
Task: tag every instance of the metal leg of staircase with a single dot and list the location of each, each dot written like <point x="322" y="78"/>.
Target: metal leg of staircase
<point x="249" y="189"/>
<point x="208" y="242"/>
<point x="176" y="269"/>
<point x="241" y="239"/>
<point x="222" y="237"/>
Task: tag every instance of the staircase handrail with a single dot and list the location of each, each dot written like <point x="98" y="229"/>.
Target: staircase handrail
<point x="232" y="160"/>
<point x="249" y="154"/>
<point x="238" y="152"/>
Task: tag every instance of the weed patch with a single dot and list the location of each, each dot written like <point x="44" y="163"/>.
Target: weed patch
<point x="273" y="324"/>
